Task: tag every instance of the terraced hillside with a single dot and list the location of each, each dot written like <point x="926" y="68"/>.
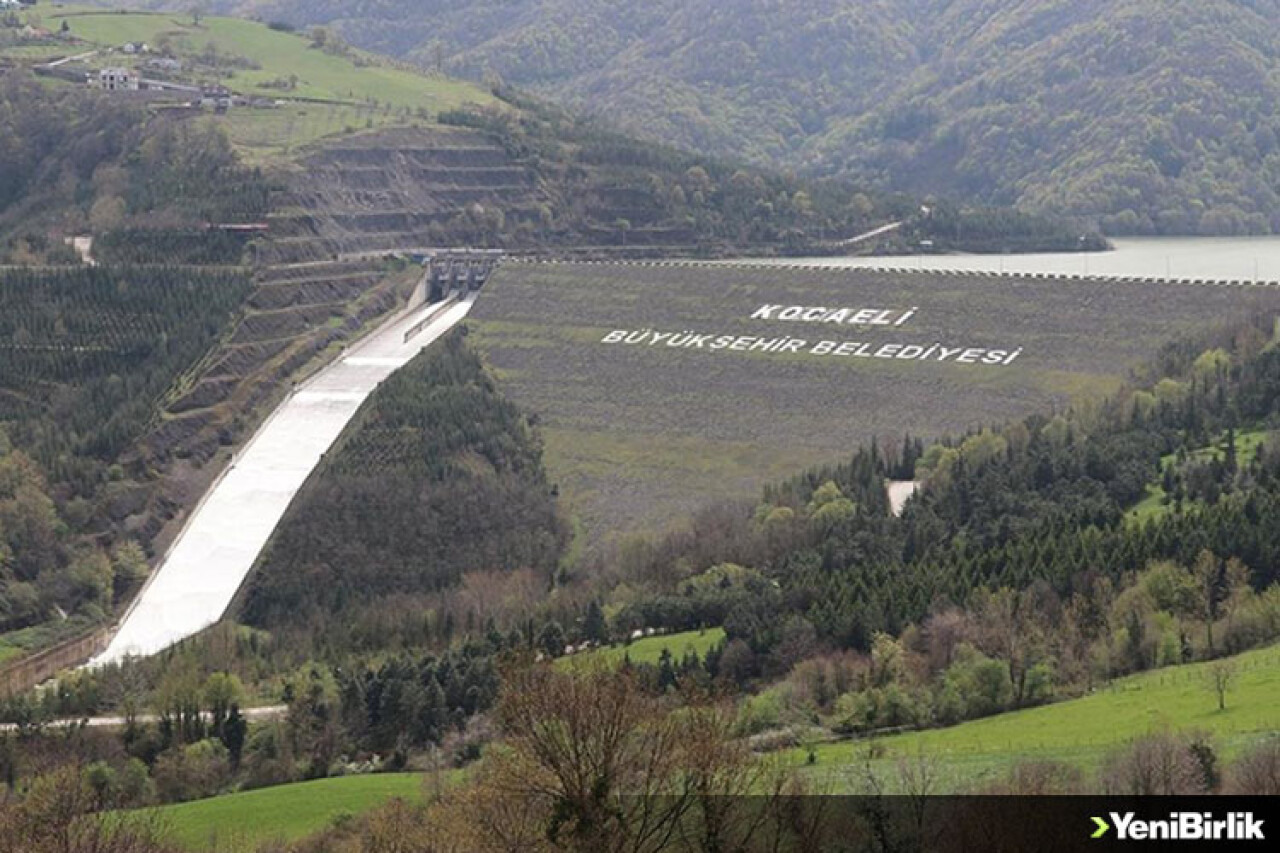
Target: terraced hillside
<point x="639" y="435"/>
<point x="407" y="188"/>
<point x="288" y="321"/>
<point x="396" y="189"/>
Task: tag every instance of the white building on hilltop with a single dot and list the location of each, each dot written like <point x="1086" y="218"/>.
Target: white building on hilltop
<point x="114" y="80"/>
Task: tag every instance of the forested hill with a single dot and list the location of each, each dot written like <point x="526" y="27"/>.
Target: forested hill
<point x="1151" y="115"/>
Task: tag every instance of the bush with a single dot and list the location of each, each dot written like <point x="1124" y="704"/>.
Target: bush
<point x="984" y="682"/>
<point x="1156" y="765"/>
<point x="197" y="770"/>
<point x="1257" y="771"/>
<point x="1039" y="778"/>
<point x="759" y="713"/>
<point x="878" y="708"/>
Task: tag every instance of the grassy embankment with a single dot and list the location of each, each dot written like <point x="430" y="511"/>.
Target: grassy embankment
<point x="1080" y="731"/>
<point x="326" y="93"/>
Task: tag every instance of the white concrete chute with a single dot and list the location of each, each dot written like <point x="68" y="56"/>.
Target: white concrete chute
<point x="221" y="540"/>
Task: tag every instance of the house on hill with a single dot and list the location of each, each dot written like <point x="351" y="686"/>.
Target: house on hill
<point x="114" y="80"/>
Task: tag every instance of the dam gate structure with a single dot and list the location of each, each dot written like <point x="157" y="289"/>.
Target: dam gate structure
<point x="459" y="270"/>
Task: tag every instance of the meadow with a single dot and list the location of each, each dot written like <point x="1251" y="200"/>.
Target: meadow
<point x="284" y="812"/>
<point x="639" y="436"/>
<point x="326" y="92"/>
<point x="1080" y="731"/>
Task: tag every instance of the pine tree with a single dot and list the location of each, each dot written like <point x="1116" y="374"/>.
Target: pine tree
<point x="234" y="731"/>
<point x="594" y="627"/>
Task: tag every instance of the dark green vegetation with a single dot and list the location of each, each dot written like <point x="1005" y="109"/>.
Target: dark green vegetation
<point x="89" y="351"/>
<point x="437" y="475"/>
<point x="639" y="435"/>
<point x="76" y="163"/>
<point x="87" y="354"/>
<point x="366" y="714"/>
<point x="1143" y="115"/>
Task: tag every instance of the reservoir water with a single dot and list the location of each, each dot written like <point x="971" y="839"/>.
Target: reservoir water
<point x="1233" y="258"/>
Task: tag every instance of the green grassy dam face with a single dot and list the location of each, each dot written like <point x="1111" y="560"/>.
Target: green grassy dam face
<point x="663" y="387"/>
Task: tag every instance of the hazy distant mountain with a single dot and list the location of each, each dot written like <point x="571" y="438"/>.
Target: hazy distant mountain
<point x="1150" y="114"/>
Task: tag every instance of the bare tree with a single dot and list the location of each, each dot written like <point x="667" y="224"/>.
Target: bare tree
<point x="1038" y="778"/>
<point x="590" y="761"/>
<point x="1220" y="676"/>
<point x="1206" y="574"/>
<point x="601" y="758"/>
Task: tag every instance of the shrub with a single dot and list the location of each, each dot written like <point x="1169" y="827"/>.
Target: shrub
<point x="1155" y="765"/>
<point x="197" y="770"/>
<point x="759" y="713"/>
<point x="1257" y="771"/>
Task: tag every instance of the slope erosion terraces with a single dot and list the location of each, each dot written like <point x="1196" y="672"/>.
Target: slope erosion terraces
<point x="413" y="188"/>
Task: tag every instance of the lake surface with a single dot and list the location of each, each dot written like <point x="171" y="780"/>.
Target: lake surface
<point x="1234" y="258"/>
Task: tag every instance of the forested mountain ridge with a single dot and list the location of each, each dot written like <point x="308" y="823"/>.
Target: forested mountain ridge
<point x="1146" y="116"/>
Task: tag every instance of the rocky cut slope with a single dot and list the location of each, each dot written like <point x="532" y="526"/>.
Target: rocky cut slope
<point x="401" y="189"/>
<point x="530" y="180"/>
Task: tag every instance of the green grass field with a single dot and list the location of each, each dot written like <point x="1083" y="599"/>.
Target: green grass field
<point x="649" y="649"/>
<point x="288" y="812"/>
<point x="1079" y="731"/>
<point x="33" y="52"/>
<point x="262" y="136"/>
<point x="336" y="93"/>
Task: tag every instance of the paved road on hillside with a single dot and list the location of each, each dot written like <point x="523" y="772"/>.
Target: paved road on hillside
<point x="270" y="712"/>
<point x="228" y="528"/>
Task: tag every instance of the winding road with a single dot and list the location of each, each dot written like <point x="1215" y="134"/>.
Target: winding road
<point x="226" y="531"/>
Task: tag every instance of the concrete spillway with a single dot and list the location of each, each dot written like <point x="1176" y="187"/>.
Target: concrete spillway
<point x="227" y="530"/>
